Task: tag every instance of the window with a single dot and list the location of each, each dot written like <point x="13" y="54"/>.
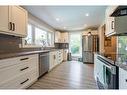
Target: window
<point x="29" y="38"/>
<point x="75" y="44"/>
<point x="39" y="37"/>
<point x="49" y="39"/>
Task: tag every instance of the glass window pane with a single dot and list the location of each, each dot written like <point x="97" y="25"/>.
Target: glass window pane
<point x="49" y="42"/>
<point x="40" y="37"/>
<point x="29" y="34"/>
<point x="75" y="44"/>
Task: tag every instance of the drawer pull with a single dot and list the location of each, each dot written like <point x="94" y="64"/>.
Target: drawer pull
<point x="126" y="80"/>
<point x="24" y="81"/>
<point x="23" y="59"/>
<point x="24" y="68"/>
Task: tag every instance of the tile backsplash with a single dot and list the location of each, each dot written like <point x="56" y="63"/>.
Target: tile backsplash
<point x="9" y="43"/>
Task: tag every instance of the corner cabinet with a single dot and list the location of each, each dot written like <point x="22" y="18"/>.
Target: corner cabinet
<point x="61" y="37"/>
<point x="110" y="21"/>
<point x="65" y="37"/>
<point x="57" y="37"/>
<point x="13" y="21"/>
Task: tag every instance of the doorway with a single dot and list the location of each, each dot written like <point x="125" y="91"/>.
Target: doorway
<point x="75" y="46"/>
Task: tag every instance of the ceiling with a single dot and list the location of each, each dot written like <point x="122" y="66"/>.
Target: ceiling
<point x="69" y="18"/>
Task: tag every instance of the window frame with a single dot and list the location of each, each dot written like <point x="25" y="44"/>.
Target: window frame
<point x="33" y="44"/>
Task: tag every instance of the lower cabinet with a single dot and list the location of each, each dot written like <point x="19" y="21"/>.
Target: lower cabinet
<point x="56" y="57"/>
<point x="65" y="53"/>
<point x="19" y="75"/>
<point x="52" y="59"/>
<point x="122" y="79"/>
<point x="59" y="56"/>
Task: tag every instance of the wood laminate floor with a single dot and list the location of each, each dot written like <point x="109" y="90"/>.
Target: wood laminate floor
<point x="68" y="75"/>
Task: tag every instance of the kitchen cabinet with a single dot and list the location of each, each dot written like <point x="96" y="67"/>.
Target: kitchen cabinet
<point x="18" y="72"/>
<point x="122" y="79"/>
<point x="65" y="52"/>
<point x="98" y="69"/>
<point x="61" y="37"/>
<point x="56" y="57"/>
<point x="110" y="21"/>
<point x="52" y="59"/>
<point x="65" y="37"/>
<point x="57" y="37"/>
<point x="59" y="56"/>
<point x="13" y="21"/>
<point x="4" y="18"/>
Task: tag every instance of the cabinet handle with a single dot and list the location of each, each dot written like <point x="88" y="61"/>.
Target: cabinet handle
<point x="13" y="26"/>
<point x="126" y="80"/>
<point x="10" y="25"/>
<point x="24" y="81"/>
<point x="24" y="59"/>
<point x="24" y="68"/>
<point x="112" y="24"/>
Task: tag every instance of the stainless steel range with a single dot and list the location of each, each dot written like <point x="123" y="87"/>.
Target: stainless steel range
<point x="107" y="77"/>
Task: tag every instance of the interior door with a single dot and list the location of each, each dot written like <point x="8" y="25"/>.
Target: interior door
<point x="18" y="17"/>
<point x="4" y="18"/>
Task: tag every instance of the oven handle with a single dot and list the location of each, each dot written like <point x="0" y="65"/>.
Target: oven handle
<point x="42" y="55"/>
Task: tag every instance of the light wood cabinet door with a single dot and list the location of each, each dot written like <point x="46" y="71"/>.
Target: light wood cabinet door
<point x="4" y="18"/>
<point x="57" y="37"/>
<point x="18" y="17"/>
<point x="65" y="37"/>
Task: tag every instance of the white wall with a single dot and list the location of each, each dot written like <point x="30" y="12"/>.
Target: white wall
<point x="41" y="24"/>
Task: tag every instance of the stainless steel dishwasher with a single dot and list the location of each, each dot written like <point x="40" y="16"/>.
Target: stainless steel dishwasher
<point x="43" y="63"/>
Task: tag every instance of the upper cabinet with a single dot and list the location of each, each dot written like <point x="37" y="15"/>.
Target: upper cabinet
<point x="4" y="18"/>
<point x="65" y="37"/>
<point x="57" y="37"/>
<point x="61" y="37"/>
<point x="110" y="21"/>
<point x="13" y="21"/>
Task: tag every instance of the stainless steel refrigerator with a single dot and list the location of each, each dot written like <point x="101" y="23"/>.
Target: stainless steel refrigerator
<point x="90" y="44"/>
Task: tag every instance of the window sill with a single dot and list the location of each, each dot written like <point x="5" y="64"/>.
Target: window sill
<point x="34" y="46"/>
<point x="31" y="46"/>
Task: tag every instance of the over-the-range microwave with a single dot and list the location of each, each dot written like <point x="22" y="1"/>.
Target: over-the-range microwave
<point x="120" y="23"/>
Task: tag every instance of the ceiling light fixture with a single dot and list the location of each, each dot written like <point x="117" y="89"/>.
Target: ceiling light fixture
<point x="64" y="27"/>
<point x="87" y="14"/>
<point x="89" y="34"/>
<point x="57" y="19"/>
<point x="85" y="25"/>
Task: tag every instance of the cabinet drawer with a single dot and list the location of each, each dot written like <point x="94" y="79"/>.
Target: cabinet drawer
<point x="21" y="81"/>
<point x="11" y="71"/>
<point x="17" y="60"/>
<point x="8" y="62"/>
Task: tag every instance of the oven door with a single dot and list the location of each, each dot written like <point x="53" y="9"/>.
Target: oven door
<point x="109" y="75"/>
